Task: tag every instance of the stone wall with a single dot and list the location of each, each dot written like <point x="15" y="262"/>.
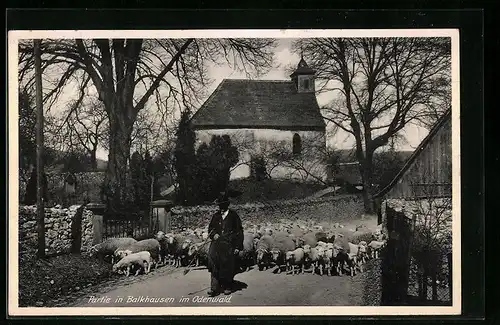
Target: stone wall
<point x="58" y="238"/>
<point x="329" y="209"/>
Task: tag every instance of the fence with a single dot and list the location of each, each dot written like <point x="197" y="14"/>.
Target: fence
<point x="411" y="276"/>
<point x="136" y="225"/>
<point x="431" y="287"/>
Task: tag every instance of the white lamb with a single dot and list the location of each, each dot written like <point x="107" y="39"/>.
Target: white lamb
<point x="375" y="247"/>
<point x="141" y="259"/>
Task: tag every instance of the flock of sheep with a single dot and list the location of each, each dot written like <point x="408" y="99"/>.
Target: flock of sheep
<point x="290" y="246"/>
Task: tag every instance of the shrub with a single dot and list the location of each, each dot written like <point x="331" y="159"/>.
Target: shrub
<point x="258" y="169"/>
<point x="214" y="163"/>
<point x="184" y="160"/>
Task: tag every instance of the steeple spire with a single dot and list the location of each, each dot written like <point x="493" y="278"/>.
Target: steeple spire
<point x="303" y="76"/>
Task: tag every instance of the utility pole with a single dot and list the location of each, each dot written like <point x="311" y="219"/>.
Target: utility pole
<point x="39" y="151"/>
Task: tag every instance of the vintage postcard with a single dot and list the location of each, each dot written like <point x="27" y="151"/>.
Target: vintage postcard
<point x="234" y="172"/>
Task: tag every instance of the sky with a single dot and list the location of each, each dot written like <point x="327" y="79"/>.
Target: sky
<point x="284" y="57"/>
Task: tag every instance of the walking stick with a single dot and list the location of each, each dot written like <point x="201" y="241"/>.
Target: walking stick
<point x="188" y="268"/>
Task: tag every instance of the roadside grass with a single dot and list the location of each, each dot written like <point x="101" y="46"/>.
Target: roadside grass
<point x="43" y="280"/>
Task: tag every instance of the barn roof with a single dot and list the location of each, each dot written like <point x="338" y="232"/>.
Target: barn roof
<point x="241" y="103"/>
<point x="432" y="133"/>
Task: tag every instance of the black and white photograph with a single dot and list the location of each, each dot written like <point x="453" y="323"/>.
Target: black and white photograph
<point x="234" y="172"/>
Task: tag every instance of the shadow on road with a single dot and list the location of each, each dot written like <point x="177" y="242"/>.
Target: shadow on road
<point x="238" y="285"/>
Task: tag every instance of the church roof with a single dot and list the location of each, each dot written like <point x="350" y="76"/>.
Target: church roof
<point x="302" y="68"/>
<point x="273" y="104"/>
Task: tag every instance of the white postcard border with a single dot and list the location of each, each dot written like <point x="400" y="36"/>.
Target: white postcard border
<point x="13" y="306"/>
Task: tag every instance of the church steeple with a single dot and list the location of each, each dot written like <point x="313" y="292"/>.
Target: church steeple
<point x="303" y="77"/>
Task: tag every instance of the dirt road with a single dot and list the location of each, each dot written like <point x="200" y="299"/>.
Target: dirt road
<point x="254" y="288"/>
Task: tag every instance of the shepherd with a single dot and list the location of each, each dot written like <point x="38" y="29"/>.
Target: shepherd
<point x="226" y="234"/>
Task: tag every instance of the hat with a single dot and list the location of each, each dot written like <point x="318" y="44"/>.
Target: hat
<point x="222" y="198"/>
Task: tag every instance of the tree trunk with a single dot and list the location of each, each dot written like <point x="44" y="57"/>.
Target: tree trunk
<point x="367" y="176"/>
<point x="93" y="159"/>
<point x="118" y="192"/>
<point x="39" y="152"/>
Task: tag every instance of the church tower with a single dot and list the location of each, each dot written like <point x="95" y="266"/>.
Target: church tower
<point x="303" y="77"/>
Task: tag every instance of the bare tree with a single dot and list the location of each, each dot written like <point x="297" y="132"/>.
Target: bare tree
<point x="308" y="165"/>
<point x="126" y="73"/>
<point x="380" y="86"/>
<point x="81" y="129"/>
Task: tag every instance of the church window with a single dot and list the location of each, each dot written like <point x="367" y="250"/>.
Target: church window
<point x="297" y="144"/>
<point x="306" y="84"/>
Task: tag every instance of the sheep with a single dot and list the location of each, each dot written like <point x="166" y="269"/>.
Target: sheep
<point x="352" y="261"/>
<point x="353" y="249"/>
<point x="321" y="236"/>
<point x="357" y="255"/>
<point x="327" y="258"/>
<point x="151" y="245"/>
<point x="200" y="252"/>
<point x="193" y="249"/>
<point x="310" y="239"/>
<point x="375" y="247"/>
<point x="282" y="244"/>
<point x="362" y="253"/>
<point x="297" y="231"/>
<point x="268" y="231"/>
<point x="198" y="232"/>
<point x="109" y="246"/>
<point x="163" y="238"/>
<point x="298" y="241"/>
<point x="361" y="235"/>
<point x="322" y="244"/>
<point x="263" y="250"/>
<point x="181" y="249"/>
<point x="330" y="237"/>
<point x="341" y="242"/>
<point x="168" y="244"/>
<point x="295" y="258"/>
<point x="142" y="259"/>
<point x="341" y="260"/>
<point x="313" y="256"/>
<point x="247" y="256"/>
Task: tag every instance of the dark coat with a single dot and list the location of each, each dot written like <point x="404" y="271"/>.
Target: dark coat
<point x="221" y="253"/>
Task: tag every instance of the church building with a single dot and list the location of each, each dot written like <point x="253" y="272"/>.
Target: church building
<point x="279" y="120"/>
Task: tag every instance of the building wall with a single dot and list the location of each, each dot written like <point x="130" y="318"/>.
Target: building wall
<point x="253" y="142"/>
<point x="430" y="174"/>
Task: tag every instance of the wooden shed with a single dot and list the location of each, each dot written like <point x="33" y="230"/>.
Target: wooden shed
<point x="428" y="171"/>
